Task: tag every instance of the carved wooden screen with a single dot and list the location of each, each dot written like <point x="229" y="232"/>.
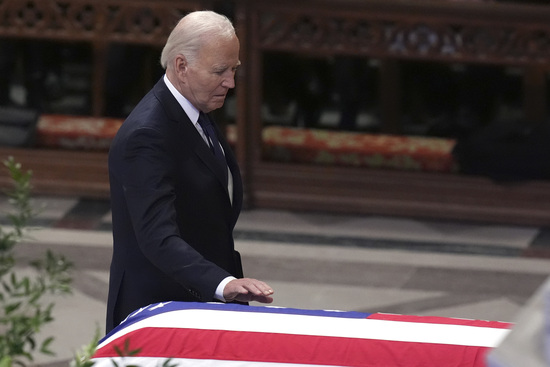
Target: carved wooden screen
<point x="98" y="22"/>
<point x="436" y="30"/>
<point x="145" y="22"/>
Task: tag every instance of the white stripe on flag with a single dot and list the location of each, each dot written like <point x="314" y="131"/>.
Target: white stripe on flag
<point x="186" y="362"/>
<point x="321" y="326"/>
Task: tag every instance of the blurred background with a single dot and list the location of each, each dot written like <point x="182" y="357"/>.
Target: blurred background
<point x="395" y="153"/>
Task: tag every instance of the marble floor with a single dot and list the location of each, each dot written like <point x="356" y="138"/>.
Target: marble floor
<point x="314" y="261"/>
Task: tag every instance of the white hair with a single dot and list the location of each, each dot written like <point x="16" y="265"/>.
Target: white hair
<point x="190" y="34"/>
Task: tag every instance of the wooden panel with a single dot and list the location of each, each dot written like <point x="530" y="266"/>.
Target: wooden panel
<point x="59" y="172"/>
<point x="398" y="193"/>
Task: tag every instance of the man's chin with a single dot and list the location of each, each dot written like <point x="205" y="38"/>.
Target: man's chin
<point x="216" y="105"/>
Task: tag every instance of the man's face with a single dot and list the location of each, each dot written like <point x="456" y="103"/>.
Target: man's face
<point x="211" y="76"/>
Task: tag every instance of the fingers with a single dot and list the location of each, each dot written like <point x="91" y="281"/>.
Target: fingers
<point x="247" y="290"/>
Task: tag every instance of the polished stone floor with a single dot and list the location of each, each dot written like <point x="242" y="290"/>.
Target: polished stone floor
<point x="315" y="261"/>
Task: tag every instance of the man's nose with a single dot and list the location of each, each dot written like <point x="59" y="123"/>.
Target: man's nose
<point x="229" y="82"/>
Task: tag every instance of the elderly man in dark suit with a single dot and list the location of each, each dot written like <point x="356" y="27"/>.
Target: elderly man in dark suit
<point x="175" y="195"/>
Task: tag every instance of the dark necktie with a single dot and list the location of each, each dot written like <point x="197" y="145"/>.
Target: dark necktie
<point x="213" y="141"/>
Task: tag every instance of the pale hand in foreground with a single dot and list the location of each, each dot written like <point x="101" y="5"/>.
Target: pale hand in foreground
<point x="247" y="290"/>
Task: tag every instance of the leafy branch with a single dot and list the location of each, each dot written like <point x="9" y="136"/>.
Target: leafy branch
<point x="23" y="311"/>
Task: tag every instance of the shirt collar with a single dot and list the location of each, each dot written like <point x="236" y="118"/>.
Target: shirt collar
<point x="188" y="108"/>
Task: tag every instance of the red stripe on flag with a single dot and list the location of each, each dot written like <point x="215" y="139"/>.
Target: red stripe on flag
<point x="289" y="348"/>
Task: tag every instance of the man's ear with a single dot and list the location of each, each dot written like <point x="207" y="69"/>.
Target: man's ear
<point x="181" y="65"/>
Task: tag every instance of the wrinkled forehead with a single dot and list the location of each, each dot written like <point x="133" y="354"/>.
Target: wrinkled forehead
<point x="220" y="51"/>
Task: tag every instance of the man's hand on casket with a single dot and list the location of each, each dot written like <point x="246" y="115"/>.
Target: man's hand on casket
<point x="247" y="290"/>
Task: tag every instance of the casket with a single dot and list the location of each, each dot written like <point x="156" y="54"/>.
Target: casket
<point x="217" y="334"/>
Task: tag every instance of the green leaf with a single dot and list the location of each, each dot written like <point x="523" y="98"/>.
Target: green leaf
<point x="118" y="351"/>
<point x="45" y="347"/>
<point x="169" y="363"/>
<point x="83" y="357"/>
<point x="11" y="308"/>
<point x="32" y="343"/>
<point x="6" y="287"/>
<point x="5" y="361"/>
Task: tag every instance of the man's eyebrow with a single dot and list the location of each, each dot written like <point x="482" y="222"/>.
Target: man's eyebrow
<point x="225" y="66"/>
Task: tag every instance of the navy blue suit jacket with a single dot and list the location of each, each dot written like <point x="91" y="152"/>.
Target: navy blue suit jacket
<point x="172" y="216"/>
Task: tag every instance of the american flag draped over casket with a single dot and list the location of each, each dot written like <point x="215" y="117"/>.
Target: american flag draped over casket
<point x="228" y="335"/>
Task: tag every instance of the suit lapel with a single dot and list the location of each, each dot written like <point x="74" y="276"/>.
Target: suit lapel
<point x="192" y="136"/>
